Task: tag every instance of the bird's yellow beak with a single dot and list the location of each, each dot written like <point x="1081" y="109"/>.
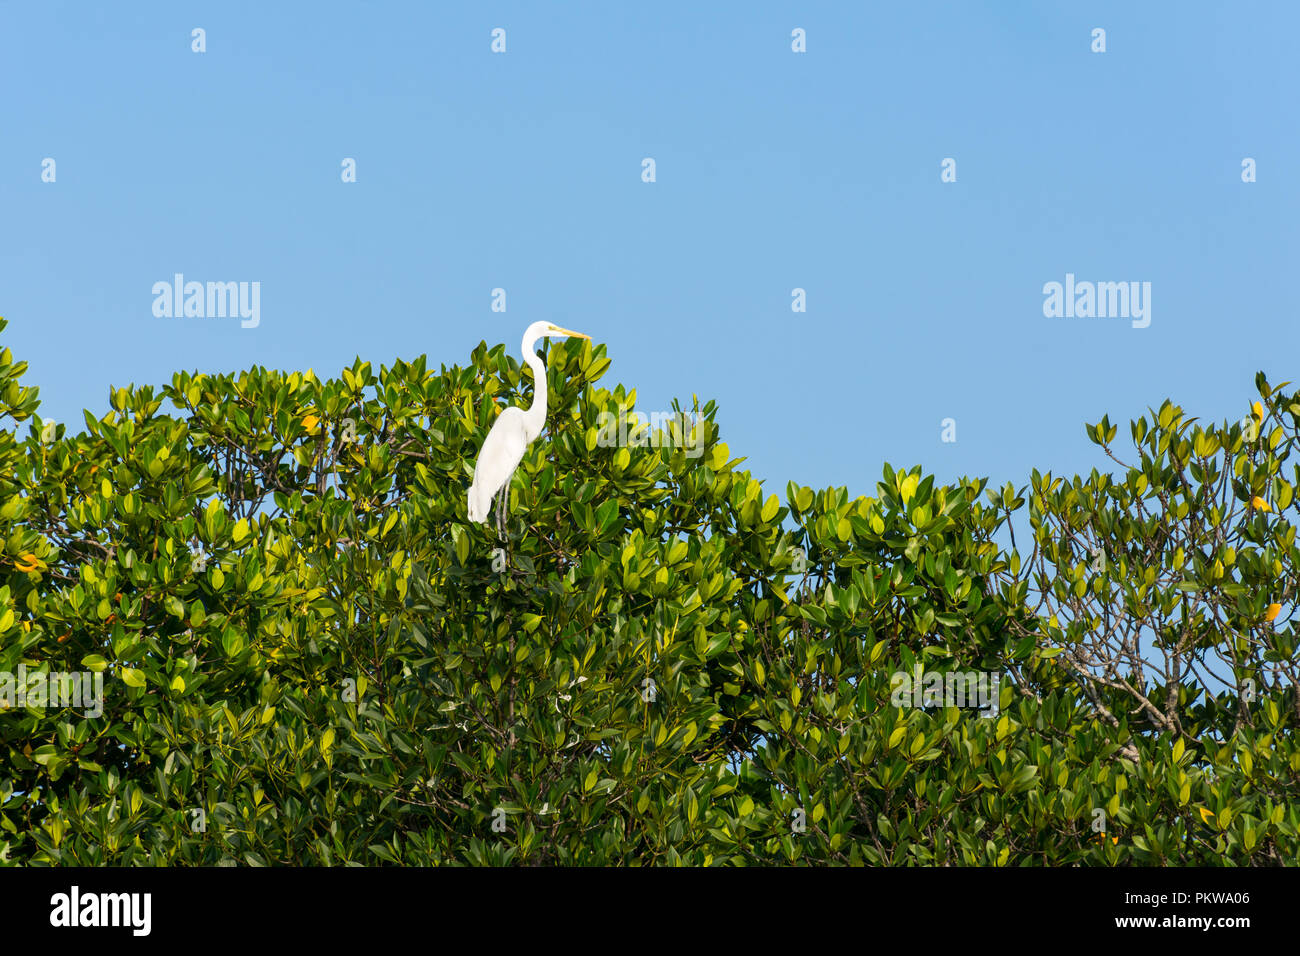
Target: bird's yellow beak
<point x="556" y="330"/>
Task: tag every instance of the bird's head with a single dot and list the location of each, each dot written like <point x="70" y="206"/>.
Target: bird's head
<point x="540" y="330"/>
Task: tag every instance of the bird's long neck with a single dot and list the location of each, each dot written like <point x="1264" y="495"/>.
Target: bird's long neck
<point x="535" y="416"/>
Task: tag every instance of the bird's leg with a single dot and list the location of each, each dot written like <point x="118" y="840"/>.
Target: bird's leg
<point x="502" y="498"/>
<point x="505" y="503"/>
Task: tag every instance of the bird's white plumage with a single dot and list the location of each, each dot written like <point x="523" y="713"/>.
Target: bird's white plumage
<point x="511" y="434"/>
<point x="500" y="455"/>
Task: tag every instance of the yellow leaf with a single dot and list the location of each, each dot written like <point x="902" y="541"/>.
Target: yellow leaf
<point x="1272" y="611"/>
<point x="1258" y="409"/>
<point x="310" y="422"/>
<point x="1260" y="503"/>
<point x="908" y="488"/>
<point x="1206" y="815"/>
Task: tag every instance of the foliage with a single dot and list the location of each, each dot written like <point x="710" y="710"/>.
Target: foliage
<point x="311" y="657"/>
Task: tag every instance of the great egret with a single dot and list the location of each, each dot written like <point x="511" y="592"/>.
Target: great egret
<point x="511" y="434"/>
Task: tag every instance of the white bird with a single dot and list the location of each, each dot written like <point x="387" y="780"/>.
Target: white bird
<point x="511" y="434"/>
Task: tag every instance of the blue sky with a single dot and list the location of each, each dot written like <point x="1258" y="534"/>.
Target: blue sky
<point x="775" y="170"/>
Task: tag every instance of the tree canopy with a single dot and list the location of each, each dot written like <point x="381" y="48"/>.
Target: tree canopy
<point x="309" y="655"/>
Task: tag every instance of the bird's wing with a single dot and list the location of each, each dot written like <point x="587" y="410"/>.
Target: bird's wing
<point x="502" y="451"/>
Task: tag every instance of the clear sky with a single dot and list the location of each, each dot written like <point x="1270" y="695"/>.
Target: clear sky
<point x="775" y="170"/>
